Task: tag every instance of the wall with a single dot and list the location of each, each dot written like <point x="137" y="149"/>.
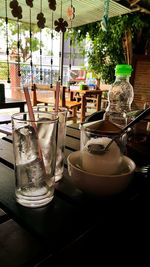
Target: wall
<point x="141" y="81"/>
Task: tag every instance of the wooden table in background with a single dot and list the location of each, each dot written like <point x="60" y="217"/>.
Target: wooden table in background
<point x="84" y="94"/>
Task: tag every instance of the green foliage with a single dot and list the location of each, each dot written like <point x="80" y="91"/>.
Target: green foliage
<point x="106" y="48"/>
<point x="24" y="38"/>
<point x="76" y="42"/>
<point x="3" y="71"/>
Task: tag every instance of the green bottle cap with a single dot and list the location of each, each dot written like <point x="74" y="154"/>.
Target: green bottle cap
<point x="123" y="70"/>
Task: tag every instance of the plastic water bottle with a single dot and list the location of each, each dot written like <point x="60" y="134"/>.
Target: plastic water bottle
<point x="120" y="96"/>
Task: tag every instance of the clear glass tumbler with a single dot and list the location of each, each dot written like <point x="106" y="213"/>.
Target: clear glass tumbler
<point x="94" y="138"/>
<point x="62" y="116"/>
<point x="35" y="146"/>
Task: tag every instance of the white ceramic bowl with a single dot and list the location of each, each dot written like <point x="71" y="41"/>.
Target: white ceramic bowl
<point x="102" y="185"/>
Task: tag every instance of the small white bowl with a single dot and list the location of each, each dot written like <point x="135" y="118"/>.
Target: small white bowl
<point x="101" y="185"/>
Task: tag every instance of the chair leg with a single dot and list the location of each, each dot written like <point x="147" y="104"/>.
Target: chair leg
<point x="74" y="114"/>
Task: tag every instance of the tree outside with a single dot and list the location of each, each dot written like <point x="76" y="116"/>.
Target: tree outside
<point x="125" y="36"/>
<point x="25" y="44"/>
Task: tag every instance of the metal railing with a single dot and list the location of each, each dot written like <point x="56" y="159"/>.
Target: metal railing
<point x="49" y="75"/>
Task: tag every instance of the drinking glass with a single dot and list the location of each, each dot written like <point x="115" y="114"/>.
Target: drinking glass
<point x="35" y="146"/>
<point x="62" y="116"/>
<point x="94" y="137"/>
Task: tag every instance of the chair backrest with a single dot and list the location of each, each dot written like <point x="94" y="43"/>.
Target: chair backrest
<point x="45" y="90"/>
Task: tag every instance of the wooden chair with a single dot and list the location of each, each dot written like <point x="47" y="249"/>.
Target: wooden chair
<point x="45" y="98"/>
<point x="42" y="93"/>
<point x="48" y="97"/>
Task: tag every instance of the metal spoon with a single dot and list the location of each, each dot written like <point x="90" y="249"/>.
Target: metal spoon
<point x="99" y="149"/>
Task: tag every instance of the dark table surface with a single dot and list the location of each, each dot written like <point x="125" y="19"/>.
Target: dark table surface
<point x="13" y="103"/>
<point x="74" y="229"/>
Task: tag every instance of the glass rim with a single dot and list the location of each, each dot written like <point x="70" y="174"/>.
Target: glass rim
<point x="16" y="117"/>
<point x="102" y="133"/>
<point x="60" y="109"/>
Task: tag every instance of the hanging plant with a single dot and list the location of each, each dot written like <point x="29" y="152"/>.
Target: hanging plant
<point x="61" y="25"/>
<point x="52" y="4"/>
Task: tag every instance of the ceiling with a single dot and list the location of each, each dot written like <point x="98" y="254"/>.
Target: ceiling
<point x="142" y="6"/>
<point x="86" y="11"/>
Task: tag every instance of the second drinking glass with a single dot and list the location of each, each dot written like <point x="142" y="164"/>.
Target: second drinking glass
<point x="62" y="117"/>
